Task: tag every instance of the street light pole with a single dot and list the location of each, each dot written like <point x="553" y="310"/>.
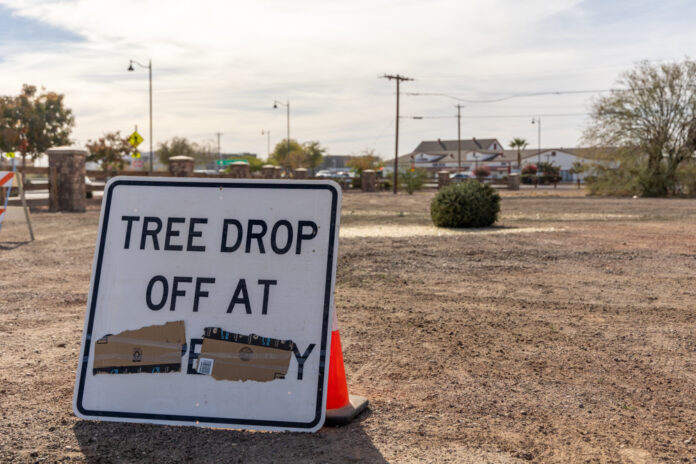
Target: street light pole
<point x="218" y="134"/>
<point x="537" y="121"/>
<point x="149" y="68"/>
<point x="268" y="134"/>
<point x="286" y="105"/>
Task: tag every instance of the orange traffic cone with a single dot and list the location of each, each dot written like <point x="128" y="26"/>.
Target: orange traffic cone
<point x="341" y="407"/>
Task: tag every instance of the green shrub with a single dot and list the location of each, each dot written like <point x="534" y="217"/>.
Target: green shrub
<point x="606" y="179"/>
<point x="529" y="174"/>
<point x="412" y="179"/>
<point x="357" y="182"/>
<point x="686" y="177"/>
<point x="465" y="204"/>
<point x="550" y="173"/>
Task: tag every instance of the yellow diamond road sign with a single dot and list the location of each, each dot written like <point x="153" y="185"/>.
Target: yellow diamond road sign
<point x="135" y="139"/>
<point x="136" y="155"/>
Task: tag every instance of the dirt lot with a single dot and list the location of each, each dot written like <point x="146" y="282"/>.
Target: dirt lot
<point x="564" y="334"/>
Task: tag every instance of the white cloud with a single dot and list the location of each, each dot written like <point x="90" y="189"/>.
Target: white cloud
<point x="218" y="66"/>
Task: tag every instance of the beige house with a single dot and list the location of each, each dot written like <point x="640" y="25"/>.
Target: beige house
<point x="447" y="155"/>
<point x="444" y="155"/>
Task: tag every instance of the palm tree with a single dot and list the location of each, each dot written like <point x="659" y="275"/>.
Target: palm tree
<point x="520" y="144"/>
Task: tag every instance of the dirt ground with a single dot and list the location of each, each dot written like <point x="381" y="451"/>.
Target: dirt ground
<point x="563" y="334"/>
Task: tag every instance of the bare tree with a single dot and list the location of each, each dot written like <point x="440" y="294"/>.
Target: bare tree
<point x="651" y="118"/>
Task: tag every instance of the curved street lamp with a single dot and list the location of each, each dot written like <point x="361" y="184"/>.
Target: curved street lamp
<point x="287" y="105"/>
<point x="149" y="68"/>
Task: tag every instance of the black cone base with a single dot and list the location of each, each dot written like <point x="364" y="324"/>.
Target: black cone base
<point x="343" y="416"/>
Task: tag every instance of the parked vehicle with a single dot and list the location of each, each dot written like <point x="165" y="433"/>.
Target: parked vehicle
<point x="460" y="176"/>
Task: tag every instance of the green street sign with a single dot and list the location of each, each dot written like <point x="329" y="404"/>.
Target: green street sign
<point x="227" y="162"/>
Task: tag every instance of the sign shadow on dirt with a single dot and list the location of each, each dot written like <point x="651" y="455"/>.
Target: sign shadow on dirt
<point x="12" y="245"/>
<point x="113" y="442"/>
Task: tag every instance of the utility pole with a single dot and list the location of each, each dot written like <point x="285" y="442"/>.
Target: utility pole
<point x="219" y="153"/>
<point x="459" y="138"/>
<point x="398" y="79"/>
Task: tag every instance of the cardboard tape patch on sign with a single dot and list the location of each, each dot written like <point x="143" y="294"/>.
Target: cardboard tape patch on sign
<point x="159" y="349"/>
<point x="231" y="356"/>
<point x="152" y="349"/>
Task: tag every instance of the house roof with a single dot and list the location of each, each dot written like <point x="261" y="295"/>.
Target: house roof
<point x="449" y="156"/>
<point x="446" y="146"/>
<point x="589" y="153"/>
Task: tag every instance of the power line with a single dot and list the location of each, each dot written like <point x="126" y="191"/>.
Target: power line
<point x="427" y="117"/>
<point x="523" y="94"/>
<point x="494" y="116"/>
<point x="381" y="133"/>
<point x="508" y="97"/>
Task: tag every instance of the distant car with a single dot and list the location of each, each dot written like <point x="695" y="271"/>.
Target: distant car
<point x="324" y="173"/>
<point x="460" y="176"/>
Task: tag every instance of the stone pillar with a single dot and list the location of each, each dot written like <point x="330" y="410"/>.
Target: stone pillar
<point x="278" y="171"/>
<point x="300" y="173"/>
<point x="70" y="188"/>
<point x="268" y="171"/>
<point x="514" y="181"/>
<point x="239" y="171"/>
<point x="368" y="180"/>
<point x="181" y="166"/>
<point x="443" y="179"/>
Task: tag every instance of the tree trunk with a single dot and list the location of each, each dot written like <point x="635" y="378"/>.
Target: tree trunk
<point x="519" y="161"/>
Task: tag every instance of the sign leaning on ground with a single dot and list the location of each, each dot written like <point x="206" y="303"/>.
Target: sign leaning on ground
<point x="211" y="304"/>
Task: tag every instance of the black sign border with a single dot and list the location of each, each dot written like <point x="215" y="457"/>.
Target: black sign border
<point x="195" y="420"/>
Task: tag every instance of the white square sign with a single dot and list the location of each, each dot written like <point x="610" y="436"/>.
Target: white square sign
<point x="211" y="304"/>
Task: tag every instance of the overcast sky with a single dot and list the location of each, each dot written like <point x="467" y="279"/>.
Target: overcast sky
<point x="219" y="65"/>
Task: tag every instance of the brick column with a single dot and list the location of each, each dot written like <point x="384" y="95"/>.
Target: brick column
<point x="514" y="181"/>
<point x="181" y="166"/>
<point x="277" y="172"/>
<point x="443" y="179"/>
<point x="368" y="180"/>
<point x="267" y="171"/>
<point x="71" y="192"/>
<point x="239" y="171"/>
<point x="300" y="173"/>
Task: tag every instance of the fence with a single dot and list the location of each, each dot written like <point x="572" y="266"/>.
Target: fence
<point x="45" y="179"/>
<point x="68" y="182"/>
